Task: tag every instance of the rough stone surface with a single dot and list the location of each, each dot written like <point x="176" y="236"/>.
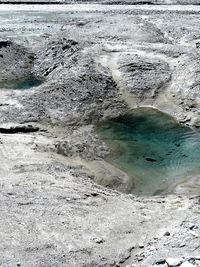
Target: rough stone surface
<point x="132" y="2"/>
<point x="61" y="203"/>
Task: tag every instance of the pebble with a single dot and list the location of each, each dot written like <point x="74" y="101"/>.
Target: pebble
<point x="141" y="245"/>
<point x="167" y="233"/>
<point x="160" y="261"/>
<point x="172" y="262"/>
<point x="98" y="240"/>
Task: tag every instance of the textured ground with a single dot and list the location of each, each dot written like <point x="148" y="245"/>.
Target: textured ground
<point x="95" y="62"/>
<point x="132" y="2"/>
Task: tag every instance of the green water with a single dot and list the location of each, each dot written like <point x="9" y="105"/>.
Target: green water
<point x="25" y="83"/>
<point x="152" y="148"/>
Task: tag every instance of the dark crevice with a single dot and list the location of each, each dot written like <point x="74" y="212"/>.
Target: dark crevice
<point x="143" y="3"/>
<point x="3" y="105"/>
<point x="4" y="44"/>
<point x="19" y="129"/>
<point x="48" y="71"/>
<point x="151" y="159"/>
<point x="69" y="44"/>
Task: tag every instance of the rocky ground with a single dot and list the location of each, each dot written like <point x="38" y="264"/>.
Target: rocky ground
<point x="61" y="203"/>
<point x="131" y="2"/>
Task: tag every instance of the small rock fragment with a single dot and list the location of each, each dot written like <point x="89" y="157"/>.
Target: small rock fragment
<point x="141" y="245"/>
<point x="160" y="261"/>
<point x="98" y="240"/>
<point x="167" y="233"/>
<point x="182" y="245"/>
<point x="173" y="262"/>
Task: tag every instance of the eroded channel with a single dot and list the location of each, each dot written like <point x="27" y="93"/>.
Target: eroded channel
<point x="153" y="149"/>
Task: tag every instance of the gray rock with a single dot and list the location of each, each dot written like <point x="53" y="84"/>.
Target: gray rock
<point x="167" y="233"/>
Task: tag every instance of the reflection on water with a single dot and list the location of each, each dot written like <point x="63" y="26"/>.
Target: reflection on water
<point x="151" y="147"/>
<point x="25" y="83"/>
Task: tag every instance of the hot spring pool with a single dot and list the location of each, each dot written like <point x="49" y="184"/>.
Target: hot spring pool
<point x="152" y="148"/>
<point x="25" y="83"/>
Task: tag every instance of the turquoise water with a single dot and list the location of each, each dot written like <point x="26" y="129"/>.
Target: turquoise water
<point x="152" y="148"/>
<point x="25" y="83"/>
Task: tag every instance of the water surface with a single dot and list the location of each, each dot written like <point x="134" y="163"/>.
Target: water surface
<point x="25" y="83"/>
<point x="152" y="148"/>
